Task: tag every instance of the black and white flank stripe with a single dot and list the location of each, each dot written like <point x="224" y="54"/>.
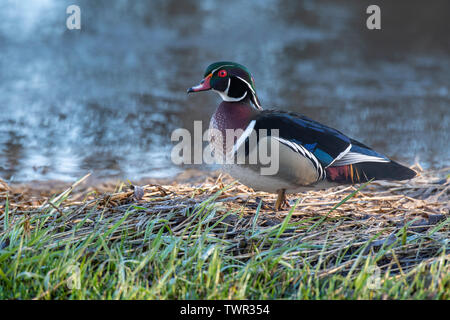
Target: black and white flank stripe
<point x="307" y="154"/>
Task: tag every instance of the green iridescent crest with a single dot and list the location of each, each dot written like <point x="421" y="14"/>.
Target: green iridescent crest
<point x="234" y="68"/>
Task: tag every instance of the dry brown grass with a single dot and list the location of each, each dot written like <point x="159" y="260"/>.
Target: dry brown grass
<point x="382" y="214"/>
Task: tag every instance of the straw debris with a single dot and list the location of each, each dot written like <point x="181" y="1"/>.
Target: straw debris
<point x="407" y="223"/>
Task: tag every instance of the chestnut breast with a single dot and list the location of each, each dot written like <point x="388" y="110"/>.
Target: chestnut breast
<point x="229" y="115"/>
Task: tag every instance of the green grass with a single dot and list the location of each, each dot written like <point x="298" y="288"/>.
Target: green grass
<point x="101" y="255"/>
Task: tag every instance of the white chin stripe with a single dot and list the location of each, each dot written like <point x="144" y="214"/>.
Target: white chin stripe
<point x="227" y="98"/>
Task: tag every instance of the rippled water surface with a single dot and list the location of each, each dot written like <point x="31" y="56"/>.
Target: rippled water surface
<point x="106" y="98"/>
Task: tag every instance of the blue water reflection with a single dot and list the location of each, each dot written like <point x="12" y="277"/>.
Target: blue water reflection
<point x="106" y="98"/>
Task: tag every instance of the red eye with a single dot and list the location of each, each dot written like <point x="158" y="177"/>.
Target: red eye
<point x="222" y="73"/>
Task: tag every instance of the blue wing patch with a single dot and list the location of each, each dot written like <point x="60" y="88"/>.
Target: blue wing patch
<point x="323" y="142"/>
<point x="310" y="146"/>
<point x="323" y="157"/>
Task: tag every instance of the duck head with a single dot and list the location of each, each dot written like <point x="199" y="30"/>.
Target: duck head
<point x="231" y="80"/>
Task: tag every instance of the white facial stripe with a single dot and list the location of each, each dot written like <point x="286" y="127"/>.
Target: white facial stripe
<point x="224" y="94"/>
<point x="228" y="87"/>
<point x="230" y="65"/>
<point x="253" y="93"/>
<point x="225" y="65"/>
<point x="255" y="100"/>
<point x="227" y="98"/>
<point x="248" y="84"/>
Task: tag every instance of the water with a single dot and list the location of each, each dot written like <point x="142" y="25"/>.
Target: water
<point x="106" y="99"/>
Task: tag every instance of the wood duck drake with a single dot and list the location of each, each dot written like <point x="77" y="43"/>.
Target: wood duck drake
<point x="311" y="155"/>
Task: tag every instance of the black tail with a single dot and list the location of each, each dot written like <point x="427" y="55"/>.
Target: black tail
<point x="365" y="171"/>
<point x="383" y="171"/>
